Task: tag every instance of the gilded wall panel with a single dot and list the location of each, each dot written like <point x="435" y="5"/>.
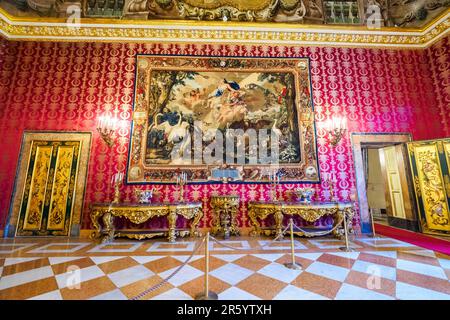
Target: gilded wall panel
<point x="52" y="173"/>
<point x="35" y="191"/>
<point x="63" y="187"/>
<point x="430" y="170"/>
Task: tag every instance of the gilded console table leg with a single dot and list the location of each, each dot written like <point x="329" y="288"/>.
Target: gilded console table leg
<point x="234" y="228"/>
<point x="109" y="227"/>
<point x="95" y="215"/>
<point x="278" y="224"/>
<point x="255" y="223"/>
<point x="216" y="221"/>
<point x="172" y="218"/>
<point x="198" y="214"/>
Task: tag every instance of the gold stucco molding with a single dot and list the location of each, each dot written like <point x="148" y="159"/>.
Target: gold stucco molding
<point x="108" y="30"/>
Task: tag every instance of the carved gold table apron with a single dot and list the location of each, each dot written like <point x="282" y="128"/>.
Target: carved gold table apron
<point x="310" y="212"/>
<point x="140" y="213"/>
<point x="225" y="210"/>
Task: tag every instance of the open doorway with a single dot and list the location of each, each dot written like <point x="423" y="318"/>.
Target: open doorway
<point x="383" y="181"/>
<point x="376" y="190"/>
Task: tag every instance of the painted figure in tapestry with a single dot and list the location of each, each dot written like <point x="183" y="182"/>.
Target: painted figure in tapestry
<point x="220" y="101"/>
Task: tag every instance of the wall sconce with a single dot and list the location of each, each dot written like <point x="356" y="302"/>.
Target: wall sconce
<point x="106" y="126"/>
<point x="336" y="127"/>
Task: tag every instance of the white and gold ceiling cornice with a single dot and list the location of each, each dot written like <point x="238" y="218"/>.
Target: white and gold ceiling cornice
<point x="108" y="30"/>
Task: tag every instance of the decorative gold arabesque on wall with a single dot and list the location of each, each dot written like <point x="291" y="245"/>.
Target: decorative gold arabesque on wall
<point x="180" y="98"/>
<point x="430" y="169"/>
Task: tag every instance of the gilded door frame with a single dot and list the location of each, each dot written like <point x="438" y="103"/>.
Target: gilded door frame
<point x="21" y="172"/>
<point x="375" y="140"/>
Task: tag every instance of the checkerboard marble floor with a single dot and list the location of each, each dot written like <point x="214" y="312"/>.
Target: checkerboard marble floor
<point x="380" y="268"/>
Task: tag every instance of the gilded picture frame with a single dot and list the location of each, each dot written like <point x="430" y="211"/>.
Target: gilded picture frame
<point x="173" y="93"/>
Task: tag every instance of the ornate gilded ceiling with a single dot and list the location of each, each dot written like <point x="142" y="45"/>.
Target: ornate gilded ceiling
<point x="399" y="23"/>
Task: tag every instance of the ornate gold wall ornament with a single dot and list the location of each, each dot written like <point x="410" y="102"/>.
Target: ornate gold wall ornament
<point x="225" y="209"/>
<point x="54" y="29"/>
<point x="140" y="213"/>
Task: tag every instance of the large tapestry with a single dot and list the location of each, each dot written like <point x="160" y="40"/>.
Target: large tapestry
<point x="194" y="114"/>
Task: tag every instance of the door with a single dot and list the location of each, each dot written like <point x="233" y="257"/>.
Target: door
<point x="430" y="168"/>
<point x="47" y="199"/>
<point x="393" y="170"/>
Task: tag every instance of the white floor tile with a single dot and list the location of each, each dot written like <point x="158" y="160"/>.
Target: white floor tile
<point x="145" y="259"/>
<point x="281" y="245"/>
<point x="111" y="295"/>
<point x="15" y="247"/>
<point x="70" y="247"/>
<point x="328" y="271"/>
<point x="179" y="246"/>
<point x="387" y="254"/>
<point x="57" y="260"/>
<point x="100" y="248"/>
<point x="428" y="270"/>
<point x="350" y="292"/>
<point x="409" y="292"/>
<point x="385" y="243"/>
<point x="52" y="295"/>
<point x="349" y="255"/>
<point x="268" y="256"/>
<point x="231" y="273"/>
<point x="184" y="258"/>
<point x="124" y="277"/>
<point x="11" y="261"/>
<point x="75" y="277"/>
<point x="99" y="260"/>
<point x="173" y="294"/>
<point x="243" y="245"/>
<point x="186" y="274"/>
<point x="375" y="269"/>
<point x="234" y="293"/>
<point x="228" y="257"/>
<point x="294" y="293"/>
<point x="310" y="256"/>
<point x="25" y="277"/>
<point x="280" y="272"/>
<point x="445" y="263"/>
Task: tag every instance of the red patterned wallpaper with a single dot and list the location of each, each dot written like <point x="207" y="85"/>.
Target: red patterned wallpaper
<point x="439" y="54"/>
<point x="66" y="86"/>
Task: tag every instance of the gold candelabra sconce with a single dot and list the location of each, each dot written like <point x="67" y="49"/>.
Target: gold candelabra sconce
<point x="336" y="127"/>
<point x="106" y="127"/>
<point x="116" y="181"/>
<point x="181" y="182"/>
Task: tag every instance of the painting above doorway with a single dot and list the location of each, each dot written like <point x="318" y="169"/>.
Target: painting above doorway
<point x="185" y="106"/>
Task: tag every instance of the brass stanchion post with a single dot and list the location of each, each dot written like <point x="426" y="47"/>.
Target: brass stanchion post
<point x="373" y="224"/>
<point x="292" y="264"/>
<point x="207" y="295"/>
<point x="346" y="248"/>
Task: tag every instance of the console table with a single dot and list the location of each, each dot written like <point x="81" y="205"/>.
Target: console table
<point x="310" y="212"/>
<point x="139" y="213"/>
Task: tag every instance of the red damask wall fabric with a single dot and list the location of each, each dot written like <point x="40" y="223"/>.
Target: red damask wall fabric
<point x="66" y="86"/>
<point x="439" y="56"/>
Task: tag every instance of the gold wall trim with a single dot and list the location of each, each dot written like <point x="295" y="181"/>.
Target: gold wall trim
<point x="109" y="30"/>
